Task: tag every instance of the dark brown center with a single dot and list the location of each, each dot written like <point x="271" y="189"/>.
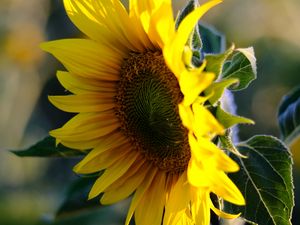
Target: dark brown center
<point x="147" y="107"/>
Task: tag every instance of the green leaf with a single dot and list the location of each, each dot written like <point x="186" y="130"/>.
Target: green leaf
<point x="190" y="6"/>
<point x="216" y="89"/>
<point x="48" y="148"/>
<point x="194" y="42"/>
<point x="215" y="62"/>
<point x="226" y="143"/>
<point x="242" y="66"/>
<point x="76" y="200"/>
<point x="229" y="120"/>
<point x="213" y="42"/>
<point x="289" y="116"/>
<point x="265" y="180"/>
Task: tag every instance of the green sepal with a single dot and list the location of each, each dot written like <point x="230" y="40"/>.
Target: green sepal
<point x="194" y="42"/>
<point x="228" y="120"/>
<point x="242" y="66"/>
<point x="197" y="58"/>
<point x="265" y="180"/>
<point x="203" y="39"/>
<point x="216" y="89"/>
<point x="227" y="144"/>
<point x="190" y="6"/>
<point x="289" y="116"/>
<point x="48" y="148"/>
<point x="215" y="62"/>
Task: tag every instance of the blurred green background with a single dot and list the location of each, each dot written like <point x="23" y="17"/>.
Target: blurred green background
<point x="31" y="190"/>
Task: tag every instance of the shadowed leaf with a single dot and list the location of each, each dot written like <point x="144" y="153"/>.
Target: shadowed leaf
<point x="213" y="41"/>
<point x="289" y="116"/>
<point x="242" y="66"/>
<point x="265" y="179"/>
<point x="48" y="148"/>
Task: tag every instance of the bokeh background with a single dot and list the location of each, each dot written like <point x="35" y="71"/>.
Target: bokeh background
<point x="31" y="189"/>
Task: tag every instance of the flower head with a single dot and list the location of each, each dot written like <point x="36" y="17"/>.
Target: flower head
<point x="140" y="111"/>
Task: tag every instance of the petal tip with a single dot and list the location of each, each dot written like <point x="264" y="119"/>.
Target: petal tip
<point x="46" y="46"/>
<point x="91" y="195"/>
<point x="76" y="168"/>
<point x="53" y="100"/>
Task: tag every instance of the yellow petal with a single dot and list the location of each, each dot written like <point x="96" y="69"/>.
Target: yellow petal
<point x="189" y="22"/>
<point x="181" y="219"/>
<point x="150" y="209"/>
<point x="207" y="162"/>
<point x="223" y="214"/>
<point x="105" y="21"/>
<point x="128" y="26"/>
<point x="198" y="176"/>
<point x="135" y="18"/>
<point x="86" y="58"/>
<point x="81" y="85"/>
<point x="98" y="102"/>
<point x="138" y="195"/>
<point x="178" y="201"/>
<point x="111" y="174"/>
<point x="174" y="50"/>
<point x="115" y="17"/>
<point x="100" y="143"/>
<point x="192" y="83"/>
<point x="134" y="170"/>
<point x="156" y="18"/>
<point x="227" y="190"/>
<point x="82" y="14"/>
<point x="108" y="150"/>
<point x="89" y="143"/>
<point x="201" y="207"/>
<point x="89" y="126"/>
<point x="205" y="123"/>
<point x="83" y="145"/>
<point x="162" y="26"/>
<point x="195" y="148"/>
<point x="126" y="185"/>
<point x="101" y="161"/>
<point x="143" y="10"/>
<point x="187" y="56"/>
<point x="186" y="116"/>
<point x="215" y="157"/>
<point x="82" y="119"/>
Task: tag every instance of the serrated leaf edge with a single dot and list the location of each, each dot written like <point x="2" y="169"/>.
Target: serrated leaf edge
<point x="243" y="144"/>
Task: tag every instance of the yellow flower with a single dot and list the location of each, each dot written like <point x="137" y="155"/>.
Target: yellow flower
<point x="139" y="111"/>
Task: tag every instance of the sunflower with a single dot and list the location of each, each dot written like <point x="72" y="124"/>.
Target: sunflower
<point x="141" y="113"/>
